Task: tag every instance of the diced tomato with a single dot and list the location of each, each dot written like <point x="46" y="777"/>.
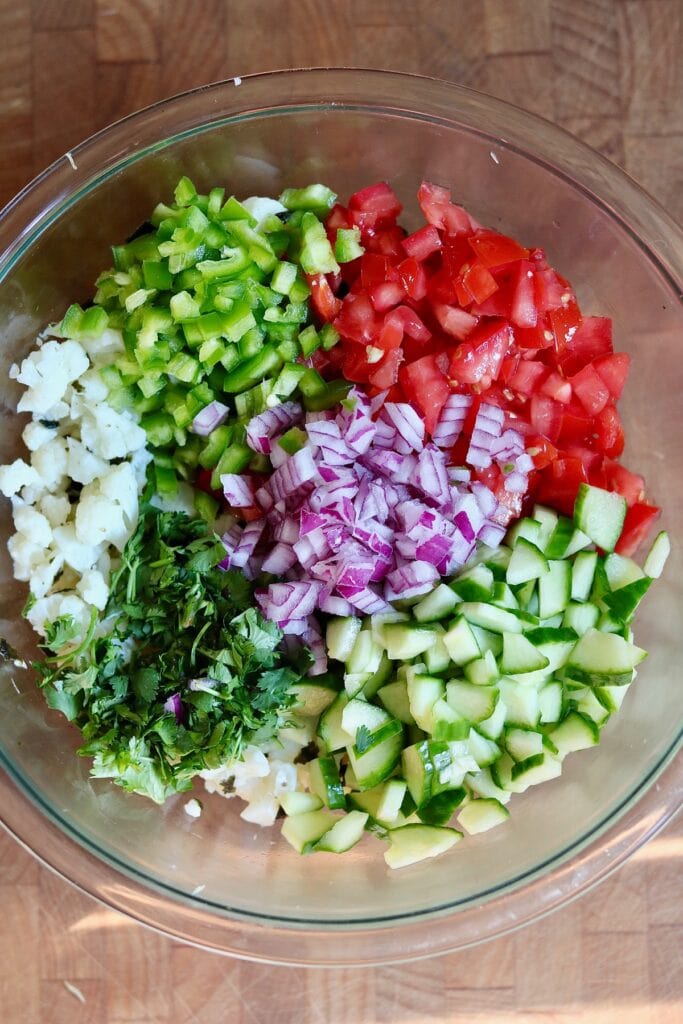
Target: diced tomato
<point x="325" y="303"/>
<point x="474" y="283"/>
<point x="338" y="217"/>
<point x="435" y="203"/>
<point x="528" y="377"/>
<point x="523" y="312"/>
<point x="630" y="485"/>
<point x="555" y="386"/>
<point x="592" y="340"/>
<point x="387" y="241"/>
<point x="454" y="321"/>
<point x="500" y="303"/>
<point x="614" y="370"/>
<point x="537" y="337"/>
<point x="548" y="289"/>
<point x="541" y="451"/>
<point x="609" y="433"/>
<point x="375" y="269"/>
<point x="640" y="518"/>
<point x="378" y="204"/>
<point x="413" y="278"/>
<point x="494" y="250"/>
<point x="592" y="461"/>
<point x="559" y="483"/>
<point x="385" y="373"/>
<point x="249" y="514"/>
<point x="426" y="383"/>
<point x="203" y="482"/>
<point x="358" y="320"/>
<point x="384" y="296"/>
<point x="590" y="389"/>
<point x="412" y="324"/>
<point x="479" y="359"/>
<point x="546" y="416"/>
<point x="422" y="243"/>
<point x="564" y="323"/>
<point x="576" y="425"/>
<point x="391" y="334"/>
<point x="354" y="363"/>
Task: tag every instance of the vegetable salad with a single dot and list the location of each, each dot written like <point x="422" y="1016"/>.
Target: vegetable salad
<point x="331" y="516"/>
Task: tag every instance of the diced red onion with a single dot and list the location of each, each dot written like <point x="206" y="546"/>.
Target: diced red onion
<point x="210" y="417"/>
<point x="282" y="601"/>
<point x="516" y="483"/>
<point x="407" y="422"/>
<point x="263" y="428"/>
<point x="251" y="534"/>
<point x="279" y="560"/>
<point x="174" y="706"/>
<point x="238" y="490"/>
<point x="410" y="580"/>
<point x="451" y="420"/>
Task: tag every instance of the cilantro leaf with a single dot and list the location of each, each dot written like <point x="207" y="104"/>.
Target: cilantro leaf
<point x="363" y="740"/>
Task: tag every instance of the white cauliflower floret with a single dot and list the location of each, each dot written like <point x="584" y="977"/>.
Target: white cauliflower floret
<point x="47" y="609"/>
<point x="140" y="460"/>
<point x="100" y="521"/>
<point x="81" y="465"/>
<point x="93" y="387"/>
<point x="121" y="486"/>
<point x="44" y="575"/>
<point x="103" y="350"/>
<point x="50" y="463"/>
<point x="26" y="555"/>
<point x="47" y="372"/>
<point x="17" y="475"/>
<point x="110" y="434"/>
<point x="35" y="435"/>
<point x="80" y="556"/>
<point x="93" y="588"/>
<point x="55" y="508"/>
<point x="34" y="525"/>
<point x="261" y="207"/>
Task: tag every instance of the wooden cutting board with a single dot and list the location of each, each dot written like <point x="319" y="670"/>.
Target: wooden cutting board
<point x="611" y="71"/>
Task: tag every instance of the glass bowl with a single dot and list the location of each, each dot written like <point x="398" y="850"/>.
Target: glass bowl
<point x="218" y="881"/>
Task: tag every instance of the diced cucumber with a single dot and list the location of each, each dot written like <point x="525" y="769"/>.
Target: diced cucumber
<point x="365" y="655"/>
<point x="524" y="529"/>
<point x="436" y="658"/>
<point x="503" y="596"/>
<point x="474" y="584"/>
<point x="376" y="764"/>
<point x="313" y="698"/>
<point x="423" y="693"/>
<point x="484" y="751"/>
<point x="580" y="617"/>
<point x="498" y="620"/>
<point x="575" y="732"/>
<point x="622" y="603"/>
<point x="378" y="678"/>
<point x="559" y="539"/>
<point x="612" y="697"/>
<point x="296" y="802"/>
<point x="325" y="782"/>
<point x="418" y="771"/>
<point x="488" y="641"/>
<point x="554" y="589"/>
<point x="600" y="515"/>
<point x="460" y="642"/>
<point x="536" y="769"/>
<point x="447" y="724"/>
<point x="550" y="702"/>
<point x="482" y="785"/>
<point x="621" y="571"/>
<point x="440" y="808"/>
<point x="526" y="594"/>
<point x="473" y="703"/>
<point x="344" y="834"/>
<point x="302" y="831"/>
<point x="521" y="703"/>
<point x="526" y="563"/>
<point x="583" y="573"/>
<point x="501" y="771"/>
<point x="482" y="815"/>
<point x="588" y="704"/>
<point x="604" y="658"/>
<point x="482" y="671"/>
<point x="330" y="728"/>
<point x="413" y="843"/>
<point x="437" y="605"/>
<point x="555" y="643"/>
<point x="404" y="641"/>
<point x="492" y="726"/>
<point x="547" y="520"/>
<point x="523" y="743"/>
<point x="382" y="803"/>
<point x="520" y="655"/>
<point x="359" y="713"/>
<point x="341" y="636"/>
<point x="394" y="697"/>
<point x="657" y="555"/>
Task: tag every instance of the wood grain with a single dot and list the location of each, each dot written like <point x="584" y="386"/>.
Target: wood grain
<point x="611" y="71"/>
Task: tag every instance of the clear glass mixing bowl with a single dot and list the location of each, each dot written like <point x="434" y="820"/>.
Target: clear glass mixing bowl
<point x="218" y="881"/>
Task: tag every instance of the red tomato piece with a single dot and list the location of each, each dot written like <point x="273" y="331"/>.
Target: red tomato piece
<point x="422" y="243"/>
<point x="474" y="283"/>
<point x="385" y="373"/>
<point x="357" y="319"/>
<point x="387" y="241"/>
<point x="609" y="433"/>
<point x="494" y="250"/>
<point x="391" y="334"/>
<point x="378" y="203"/>
<point x="592" y="340"/>
<point x="555" y="386"/>
<point x="324" y="301"/>
<point x="576" y="425"/>
<point x="412" y="324"/>
<point x="590" y="389"/>
<point x="435" y="203"/>
<point x="559" y="483"/>
<point x="537" y="337"/>
<point x="541" y="451"/>
<point x="479" y="359"/>
<point x="426" y="384"/>
<point x="528" y="377"/>
<point x="523" y="312"/>
<point x="454" y="321"/>
<point x="384" y="296"/>
<point x="548" y="288"/>
<point x="564" y="323"/>
<point x="546" y="416"/>
<point x="640" y="518"/>
<point x="630" y="485"/>
<point x="375" y="269"/>
<point x="614" y="370"/>
<point x="413" y="278"/>
<point x="338" y="217"/>
<point x="354" y="364"/>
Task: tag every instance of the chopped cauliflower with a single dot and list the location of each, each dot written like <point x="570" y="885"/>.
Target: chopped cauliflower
<point x="33" y="524"/>
<point x="36" y="434"/>
<point x="93" y="588"/>
<point x="50" y="463"/>
<point x="111" y="434"/>
<point x="17" y="475"/>
<point x="47" y="372"/>
<point x="55" y="508"/>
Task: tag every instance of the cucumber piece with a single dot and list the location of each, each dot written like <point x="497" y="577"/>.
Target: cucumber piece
<point x="482" y="815"/>
<point x="482" y="671"/>
<point x="471" y="702"/>
<point x="591" y="706"/>
<point x="436" y="658"/>
<point x="554" y="589"/>
<point x="604" y="658"/>
<point x="296" y="802"/>
<point x="520" y="655"/>
<point x="622" y="603"/>
<point x="474" y="584"/>
<point x="313" y="698"/>
<point x="521" y="703"/>
<point x="611" y="697"/>
<point x="524" y="529"/>
<point x="440" y="809"/>
<point x="600" y="515"/>
<point x="344" y="834"/>
<point x="366" y="654"/>
<point x="575" y="732"/>
<point x="378" y="678"/>
<point x="461" y="643"/>
<point x="394" y="697"/>
<point x="423" y="693"/>
<point x="330" y="728"/>
<point x="498" y="620"/>
<point x="418" y="771"/>
<point x="382" y="803"/>
<point x="488" y="641"/>
<point x="325" y="782"/>
<point x="437" y="605"/>
<point x="452" y="761"/>
<point x="341" y="635"/>
<point x="447" y="724"/>
<point x="547" y="520"/>
<point x="359" y="713"/>
<point x="501" y="771"/>
<point x="410" y="844"/>
<point x="404" y="641"/>
<point x="525" y="594"/>
<point x="302" y="831"/>
<point x="484" y="751"/>
<point x="492" y="726"/>
<point x="527" y="563"/>
<point x="580" y="617"/>
<point x="550" y="702"/>
<point x="536" y="769"/>
<point x="657" y="555"/>
<point x="583" y="573"/>
<point x="555" y="643"/>
<point x="502" y="596"/>
<point x="481" y="784"/>
<point x="621" y="571"/>
<point x="523" y="743"/>
<point x="376" y="764"/>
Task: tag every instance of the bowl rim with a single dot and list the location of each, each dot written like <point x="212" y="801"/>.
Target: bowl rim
<point x="640" y="815"/>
